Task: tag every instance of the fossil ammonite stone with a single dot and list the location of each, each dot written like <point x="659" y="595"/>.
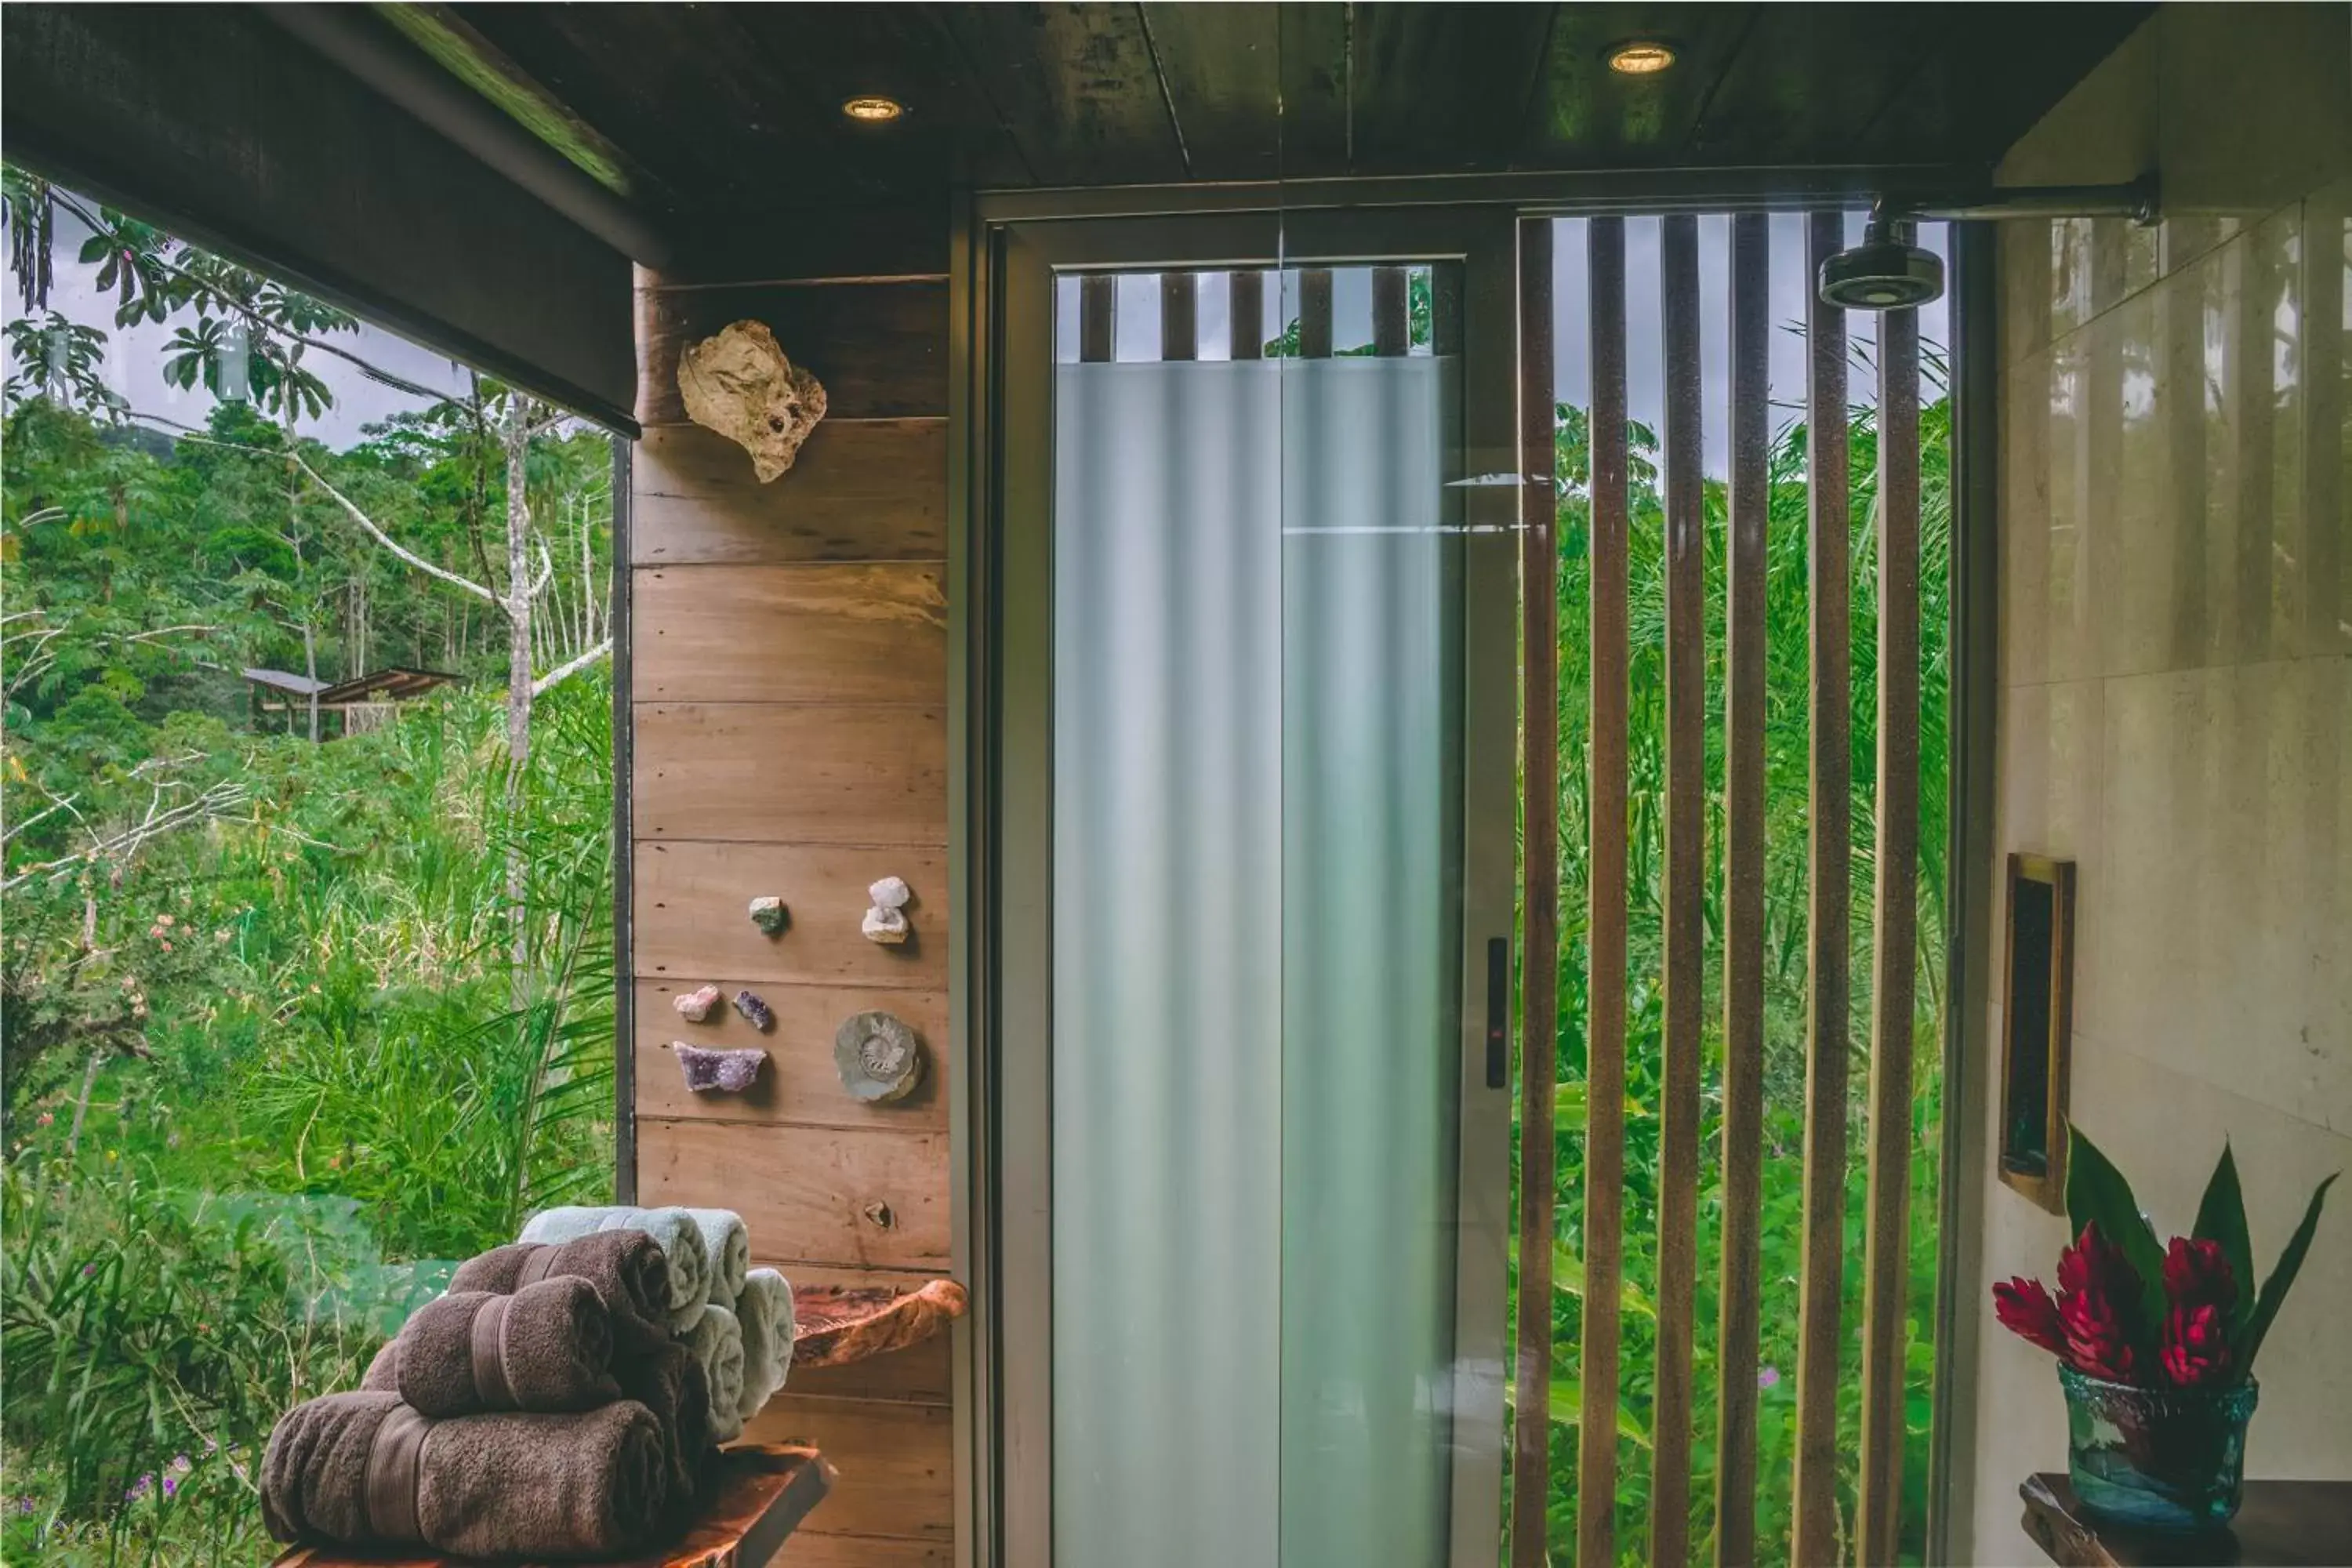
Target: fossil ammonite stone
<point x="878" y="1057"/>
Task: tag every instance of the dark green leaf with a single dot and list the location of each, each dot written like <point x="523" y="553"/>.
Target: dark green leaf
<point x="2222" y="1217"/>
<point x="2282" y="1279"/>
<point x="2097" y="1194"/>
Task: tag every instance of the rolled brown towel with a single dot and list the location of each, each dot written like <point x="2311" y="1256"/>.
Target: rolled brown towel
<point x="628" y="1268"/>
<point x="546" y="1347"/>
<point x="357" y="1468"/>
<point x="669" y="1382"/>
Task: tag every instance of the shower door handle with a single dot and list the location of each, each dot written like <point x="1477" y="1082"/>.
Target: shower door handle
<point x="1498" y="1012"/>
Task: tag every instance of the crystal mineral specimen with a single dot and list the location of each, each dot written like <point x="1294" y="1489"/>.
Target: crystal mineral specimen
<point x="768" y="914"/>
<point x="695" y="1005"/>
<point x="755" y="1012"/>
<point x="723" y="1072"/>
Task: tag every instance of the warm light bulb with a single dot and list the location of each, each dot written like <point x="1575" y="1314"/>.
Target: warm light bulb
<point x="873" y="107"/>
<point x="1640" y="59"/>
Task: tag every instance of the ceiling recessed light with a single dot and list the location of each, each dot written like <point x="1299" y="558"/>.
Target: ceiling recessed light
<point x="1645" y="58"/>
<point x="873" y="107"/>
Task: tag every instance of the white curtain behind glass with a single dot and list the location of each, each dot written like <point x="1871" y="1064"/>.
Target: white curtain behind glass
<point x="1257" y="917"/>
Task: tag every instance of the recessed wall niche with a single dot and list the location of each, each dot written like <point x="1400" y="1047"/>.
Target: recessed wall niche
<point x="2038" y="1022"/>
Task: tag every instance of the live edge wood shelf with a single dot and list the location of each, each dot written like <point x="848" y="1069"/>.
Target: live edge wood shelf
<point x="764" y="1492"/>
<point x="2282" y="1524"/>
<point x="835" y="1325"/>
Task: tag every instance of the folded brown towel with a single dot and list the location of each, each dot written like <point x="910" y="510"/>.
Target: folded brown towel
<point x="363" y="1467"/>
<point x="669" y="1382"/>
<point x="628" y="1268"/>
<point x="546" y="1347"/>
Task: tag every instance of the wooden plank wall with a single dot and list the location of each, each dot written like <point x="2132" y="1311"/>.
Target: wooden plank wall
<point x="788" y="725"/>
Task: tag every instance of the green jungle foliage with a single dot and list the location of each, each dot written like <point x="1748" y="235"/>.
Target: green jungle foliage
<point x="281" y="1038"/>
<point x="1785" y="961"/>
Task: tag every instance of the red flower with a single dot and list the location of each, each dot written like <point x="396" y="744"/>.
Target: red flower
<point x="2197" y="1275"/>
<point x="2196" y="1344"/>
<point x="2097" y="1295"/>
<point x="2025" y="1308"/>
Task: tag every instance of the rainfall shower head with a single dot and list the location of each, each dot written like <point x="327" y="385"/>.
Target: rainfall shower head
<point x="1885" y="272"/>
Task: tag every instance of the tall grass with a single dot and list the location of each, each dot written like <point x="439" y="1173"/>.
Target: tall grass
<point x="360" y="1076"/>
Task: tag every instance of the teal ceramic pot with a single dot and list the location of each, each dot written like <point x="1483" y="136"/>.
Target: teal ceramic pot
<point x="2157" y="1458"/>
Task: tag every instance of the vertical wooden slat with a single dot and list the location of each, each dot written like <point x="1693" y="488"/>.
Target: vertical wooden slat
<point x="1391" y="327"/>
<point x="1737" y="1323"/>
<point x="1604" y="1043"/>
<point x="1097" y="314"/>
<point x="1445" y="308"/>
<point x="1315" y="313"/>
<point x="1180" y="333"/>
<point x="1685" y="898"/>
<point x="1245" y="316"/>
<point x="1829" y="780"/>
<point x="1540" y="954"/>
<point x="1894" y="949"/>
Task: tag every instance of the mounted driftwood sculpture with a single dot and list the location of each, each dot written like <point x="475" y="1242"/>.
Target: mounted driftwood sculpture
<point x="740" y="384"/>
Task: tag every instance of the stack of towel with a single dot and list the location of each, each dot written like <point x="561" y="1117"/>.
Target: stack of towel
<point x="735" y="1321"/>
<point x="538" y="1409"/>
<point x="563" y="1399"/>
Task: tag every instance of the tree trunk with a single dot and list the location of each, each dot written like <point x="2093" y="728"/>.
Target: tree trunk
<point x="518" y="607"/>
<point x="310" y="668"/>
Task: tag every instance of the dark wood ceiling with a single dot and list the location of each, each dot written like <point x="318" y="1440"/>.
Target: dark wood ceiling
<point x="711" y="107"/>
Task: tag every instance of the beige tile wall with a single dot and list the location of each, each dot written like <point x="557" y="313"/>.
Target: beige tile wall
<point x="2175" y="675"/>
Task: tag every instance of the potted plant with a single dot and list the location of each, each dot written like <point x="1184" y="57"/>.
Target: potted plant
<point x="2156" y="1344"/>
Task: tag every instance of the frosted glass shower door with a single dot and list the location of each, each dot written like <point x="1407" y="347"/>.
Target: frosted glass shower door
<point x="1258" y="1017"/>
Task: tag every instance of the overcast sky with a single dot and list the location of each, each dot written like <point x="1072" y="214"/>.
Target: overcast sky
<point x="135" y="354"/>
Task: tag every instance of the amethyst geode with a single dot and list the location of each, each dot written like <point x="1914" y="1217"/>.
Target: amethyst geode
<point x="720" y="1072"/>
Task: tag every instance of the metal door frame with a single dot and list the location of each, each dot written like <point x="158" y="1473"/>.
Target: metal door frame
<point x="1001" y="607"/>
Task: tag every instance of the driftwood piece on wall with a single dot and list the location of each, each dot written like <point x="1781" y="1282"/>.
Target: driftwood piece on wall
<point x="739" y="383"/>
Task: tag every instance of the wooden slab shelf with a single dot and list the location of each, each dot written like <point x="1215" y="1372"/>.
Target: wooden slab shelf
<point x="834" y="1325"/>
<point x="764" y="1492"/>
<point x="2281" y="1524"/>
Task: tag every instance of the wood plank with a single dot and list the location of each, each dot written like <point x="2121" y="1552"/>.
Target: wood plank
<point x="1583" y="109"/>
<point x="2279" y="1522"/>
<point x="1828" y="912"/>
<point x="1098" y="318"/>
<point x="851" y="1197"/>
<point x="792" y="634"/>
<point x="1179" y="316"/>
<point x="880" y="349"/>
<point x="1435" y="89"/>
<point x="1684" y="897"/>
<point x="800" y="1085"/>
<point x="1739" y="1322"/>
<point x="832" y="244"/>
<point x="1078" y="87"/>
<point x="1391" y="312"/>
<point x="1315" y="313"/>
<point x="863" y="489"/>
<point x="1540" y="858"/>
<point x="894" y="1464"/>
<point x="1604" y="1044"/>
<point x="791" y="772"/>
<point x="692" y="923"/>
<point x="1894" y="943"/>
<point x="1220" y="67"/>
<point x="921" y="1374"/>
<point x="1245" y="315"/>
<point x="809" y="1549"/>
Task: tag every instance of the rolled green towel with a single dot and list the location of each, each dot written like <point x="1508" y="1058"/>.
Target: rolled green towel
<point x="729" y="1247"/>
<point x="764" y="1311"/>
<point x="674" y="1228"/>
<point x="628" y="1268"/>
<point x="549" y="1346"/>
<point x="364" y="1469"/>
<point x="716" y="1340"/>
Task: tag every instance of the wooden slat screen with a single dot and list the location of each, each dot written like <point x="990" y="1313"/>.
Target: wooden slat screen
<point x="1685" y="898"/>
<point x="1739" y="1323"/>
<point x="1893" y="947"/>
<point x="1246" y="317"/>
<point x="1605" y="1069"/>
<point x="1819" y="1535"/>
<point x="1179" y="316"/>
<point x="1828" y="790"/>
